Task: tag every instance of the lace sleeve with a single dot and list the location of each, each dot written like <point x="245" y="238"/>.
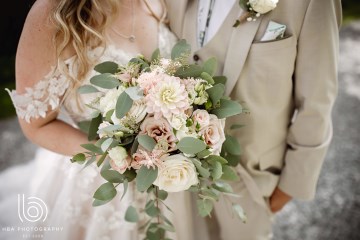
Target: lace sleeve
<point x="35" y="102"/>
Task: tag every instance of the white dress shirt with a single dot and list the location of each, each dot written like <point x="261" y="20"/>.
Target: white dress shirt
<point x="219" y="10"/>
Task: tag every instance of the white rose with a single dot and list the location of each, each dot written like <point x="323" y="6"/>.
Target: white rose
<point x="201" y="117"/>
<point x="119" y="159"/>
<point x="177" y="173"/>
<point x="137" y="112"/>
<point x="178" y="121"/>
<point x="103" y="133"/>
<point x="186" y="132"/>
<point x="213" y="134"/>
<point x="263" y="6"/>
<point x="108" y="102"/>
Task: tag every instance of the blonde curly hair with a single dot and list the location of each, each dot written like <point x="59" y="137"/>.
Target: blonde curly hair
<point x="81" y="24"/>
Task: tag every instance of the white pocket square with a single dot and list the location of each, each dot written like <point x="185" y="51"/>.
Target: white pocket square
<point x="274" y="31"/>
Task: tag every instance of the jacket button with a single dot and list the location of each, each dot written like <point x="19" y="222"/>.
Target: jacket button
<point x="196" y="57"/>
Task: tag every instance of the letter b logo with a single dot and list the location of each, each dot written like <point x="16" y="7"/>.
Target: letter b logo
<point x="31" y="209"/>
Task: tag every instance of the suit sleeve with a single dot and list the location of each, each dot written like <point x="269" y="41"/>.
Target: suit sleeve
<point x="315" y="90"/>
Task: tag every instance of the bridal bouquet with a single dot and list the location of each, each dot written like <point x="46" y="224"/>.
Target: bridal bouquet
<point x="160" y="123"/>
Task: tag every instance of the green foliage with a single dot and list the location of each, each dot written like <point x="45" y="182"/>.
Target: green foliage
<point x="94" y="126"/>
<point x="204" y="207"/>
<point x="105" y="80"/>
<point x="131" y="214"/>
<point x="180" y="50"/>
<point x="112" y="176"/>
<point x="107" y="67"/>
<point x="216" y="93"/>
<point x="210" y="66"/>
<point x="123" y="105"/>
<point x="147" y="142"/>
<point x="227" y="108"/>
<point x="105" y="192"/>
<point x="145" y="178"/>
<point x="190" y="145"/>
<point x="87" y="89"/>
<point x="189" y="71"/>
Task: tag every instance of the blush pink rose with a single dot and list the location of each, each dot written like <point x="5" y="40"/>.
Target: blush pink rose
<point x="213" y="134"/>
<point x="148" y="80"/>
<point x="160" y="130"/>
<point x="201" y="117"/>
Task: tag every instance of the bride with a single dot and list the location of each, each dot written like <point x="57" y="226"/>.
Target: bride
<point x="61" y="42"/>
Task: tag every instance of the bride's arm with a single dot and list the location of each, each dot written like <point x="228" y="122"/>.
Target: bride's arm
<point x="35" y="55"/>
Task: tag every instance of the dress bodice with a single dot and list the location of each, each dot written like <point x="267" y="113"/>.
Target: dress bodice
<point x="46" y="94"/>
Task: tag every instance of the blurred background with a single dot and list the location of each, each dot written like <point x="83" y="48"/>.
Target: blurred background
<point x="335" y="212"/>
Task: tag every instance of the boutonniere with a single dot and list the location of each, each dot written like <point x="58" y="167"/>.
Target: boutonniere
<point x="254" y="9"/>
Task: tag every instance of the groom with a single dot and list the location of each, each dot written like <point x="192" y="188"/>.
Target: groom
<point x="283" y="68"/>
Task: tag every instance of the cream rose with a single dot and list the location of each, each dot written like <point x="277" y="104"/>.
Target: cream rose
<point x="213" y="134"/>
<point x="160" y="130"/>
<point x="176" y="174"/>
<point x="119" y="159"/>
<point x="137" y="112"/>
<point x="178" y="121"/>
<point x="263" y="6"/>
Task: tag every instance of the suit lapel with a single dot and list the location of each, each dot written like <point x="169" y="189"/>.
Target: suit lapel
<point x="237" y="52"/>
<point x="176" y="14"/>
<point x="190" y="24"/>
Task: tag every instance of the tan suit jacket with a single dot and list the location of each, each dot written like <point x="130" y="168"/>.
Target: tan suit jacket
<point x="289" y="86"/>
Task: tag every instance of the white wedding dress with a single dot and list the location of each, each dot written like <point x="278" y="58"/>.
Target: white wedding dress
<point x="65" y="188"/>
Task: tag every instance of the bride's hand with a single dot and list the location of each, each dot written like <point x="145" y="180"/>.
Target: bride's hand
<point x="278" y="200"/>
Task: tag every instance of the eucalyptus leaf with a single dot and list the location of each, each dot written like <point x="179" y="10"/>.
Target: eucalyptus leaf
<point x="145" y="178"/>
<point x="97" y="203"/>
<point x="135" y="93"/>
<point x="167" y="227"/>
<point x="189" y="71"/>
<point x="134" y="146"/>
<point x="90" y="161"/>
<point x="131" y="214"/>
<point x="105" y="80"/>
<point x="180" y="50"/>
<point x="236" y="126"/>
<point x="92" y="148"/>
<point x="216" y="92"/>
<point x="229" y="174"/>
<point x="106" y="144"/>
<point x="227" y="108"/>
<point x="204" y="207"/>
<point x="203" y="171"/>
<point x="152" y="210"/>
<point x="207" y="77"/>
<point x="162" y="194"/>
<point x="210" y="66"/>
<point x="216" y="170"/>
<point x="123" y="105"/>
<point x="155" y="55"/>
<point x="222" y="187"/>
<point x="94" y="125"/>
<point x="85" y="89"/>
<point x="190" y="145"/>
<point x="204" y="153"/>
<point x="220" y="79"/>
<point x="232" y="146"/>
<point x="101" y="160"/>
<point x="146" y="142"/>
<point x="107" y="67"/>
<point x="105" y="192"/>
<point x="112" y="176"/>
<point x="240" y="212"/>
<point x="78" y="158"/>
<point x="84" y="126"/>
<point x="233" y="160"/>
<point x="125" y="186"/>
<point x="215" y="158"/>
